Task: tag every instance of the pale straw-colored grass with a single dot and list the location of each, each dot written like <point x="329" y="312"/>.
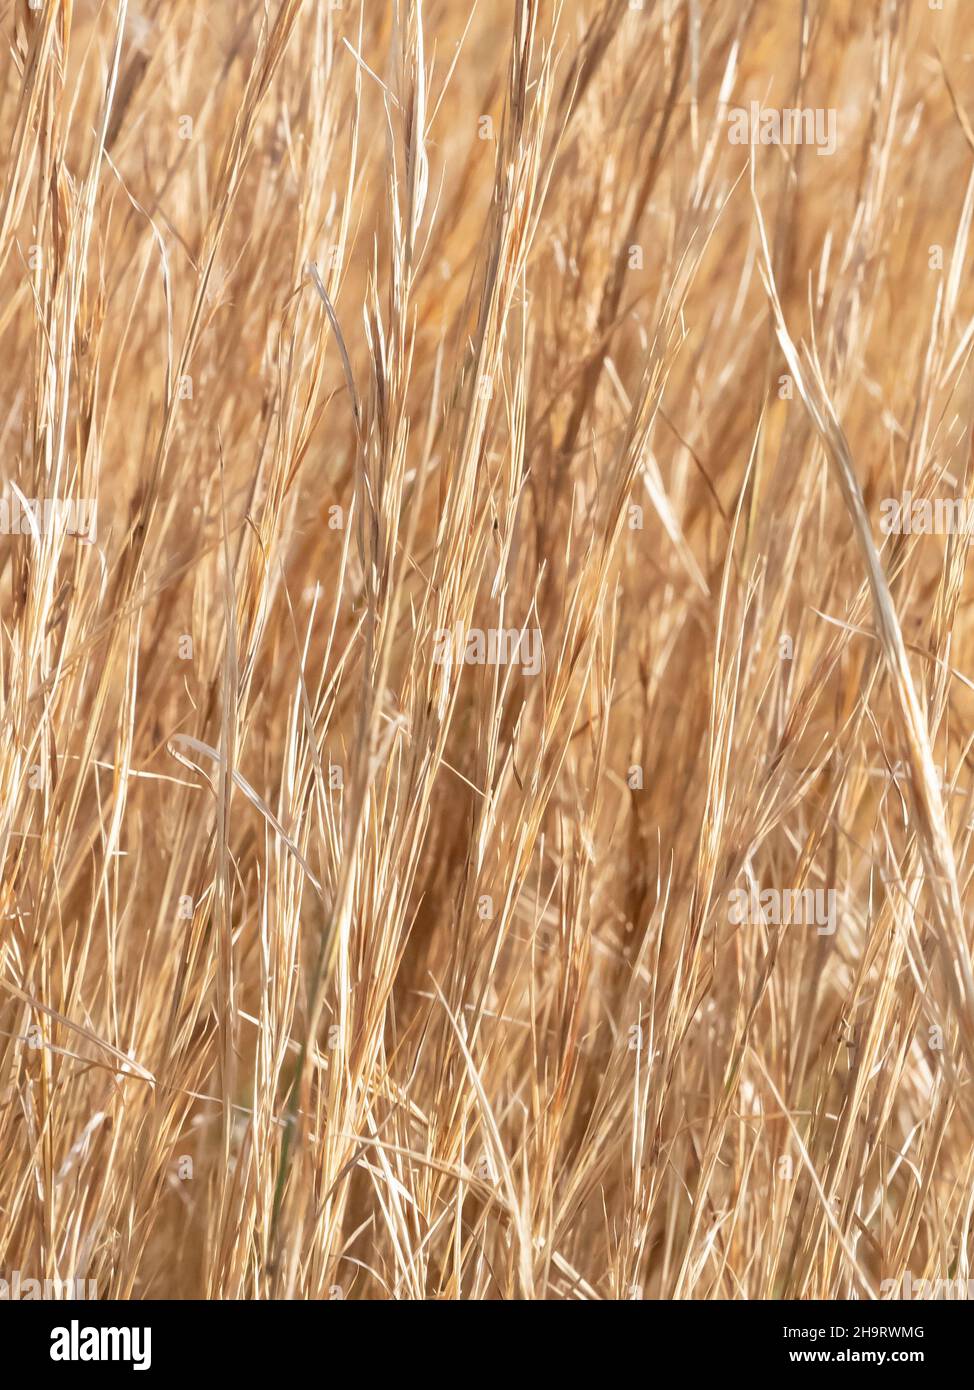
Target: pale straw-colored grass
<point x="331" y="969"/>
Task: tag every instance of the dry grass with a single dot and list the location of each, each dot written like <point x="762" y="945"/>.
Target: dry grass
<point x="331" y="969"/>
